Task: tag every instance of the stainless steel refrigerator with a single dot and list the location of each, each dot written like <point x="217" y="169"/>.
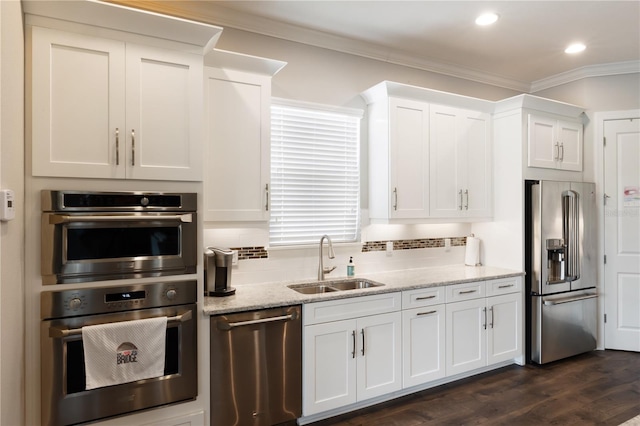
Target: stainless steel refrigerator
<point x="561" y="275"/>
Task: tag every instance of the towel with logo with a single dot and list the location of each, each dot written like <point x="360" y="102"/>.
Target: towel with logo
<point x="122" y="352"/>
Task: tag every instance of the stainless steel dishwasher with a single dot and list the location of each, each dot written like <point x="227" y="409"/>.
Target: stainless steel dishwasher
<point x="256" y="367"/>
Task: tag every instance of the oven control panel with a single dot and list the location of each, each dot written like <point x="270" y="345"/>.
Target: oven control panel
<point x="65" y="303"/>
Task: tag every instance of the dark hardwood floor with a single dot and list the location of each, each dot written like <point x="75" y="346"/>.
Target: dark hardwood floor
<point x="597" y="388"/>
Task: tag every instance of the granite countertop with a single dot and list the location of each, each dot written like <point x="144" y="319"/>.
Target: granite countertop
<point x="274" y="294"/>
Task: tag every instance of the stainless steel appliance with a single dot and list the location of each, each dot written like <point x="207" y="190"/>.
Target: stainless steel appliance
<point x="561" y="269"/>
<point x="256" y="367"/>
<point x="217" y="269"/>
<point x="95" y="236"/>
<point x="65" y="399"/>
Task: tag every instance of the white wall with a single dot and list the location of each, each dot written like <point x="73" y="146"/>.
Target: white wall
<point x="12" y="351"/>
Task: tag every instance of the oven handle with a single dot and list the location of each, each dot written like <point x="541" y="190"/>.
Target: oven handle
<point x="57" y="333"/>
<point x="56" y="219"/>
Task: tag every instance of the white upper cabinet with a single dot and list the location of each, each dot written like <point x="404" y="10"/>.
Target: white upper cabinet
<point x="111" y="103"/>
<point x="460" y="163"/>
<point x="554" y="143"/>
<point x="429" y="155"/>
<point x="238" y="117"/>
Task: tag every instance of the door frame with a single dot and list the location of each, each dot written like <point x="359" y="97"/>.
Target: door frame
<point x="598" y="153"/>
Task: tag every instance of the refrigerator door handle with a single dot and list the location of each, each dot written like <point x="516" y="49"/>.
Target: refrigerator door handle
<point x="570" y="231"/>
<point x="569" y="299"/>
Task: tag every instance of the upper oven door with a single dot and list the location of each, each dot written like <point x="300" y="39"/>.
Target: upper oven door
<point x="80" y="247"/>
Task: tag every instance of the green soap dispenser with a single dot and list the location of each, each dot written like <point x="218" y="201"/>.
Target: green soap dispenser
<point x="351" y="268"/>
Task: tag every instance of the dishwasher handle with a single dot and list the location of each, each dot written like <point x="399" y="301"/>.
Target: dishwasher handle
<point x="223" y="325"/>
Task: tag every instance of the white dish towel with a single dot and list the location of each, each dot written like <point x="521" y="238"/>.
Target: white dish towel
<point x="122" y="352"/>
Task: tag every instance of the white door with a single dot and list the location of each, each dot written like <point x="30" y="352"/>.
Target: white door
<point x="504" y="323"/>
<point x="423" y="345"/>
<point x="330" y="352"/>
<point x="466" y="343"/>
<point x="379" y="355"/>
<point x="622" y="234"/>
<point x="409" y="133"/>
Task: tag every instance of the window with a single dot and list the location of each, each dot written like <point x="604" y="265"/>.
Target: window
<point x="315" y="173"/>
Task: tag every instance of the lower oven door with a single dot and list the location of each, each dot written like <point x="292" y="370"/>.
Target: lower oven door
<point x="65" y="400"/>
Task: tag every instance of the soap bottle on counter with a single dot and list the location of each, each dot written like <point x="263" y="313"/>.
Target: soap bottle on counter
<point x="351" y="268"/>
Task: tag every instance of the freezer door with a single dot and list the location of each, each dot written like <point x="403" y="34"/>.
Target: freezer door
<point x="563" y="325"/>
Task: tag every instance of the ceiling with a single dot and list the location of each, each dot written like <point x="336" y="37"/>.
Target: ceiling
<point x="524" y="50"/>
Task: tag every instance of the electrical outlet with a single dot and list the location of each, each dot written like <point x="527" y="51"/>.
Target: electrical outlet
<point x="447" y="244"/>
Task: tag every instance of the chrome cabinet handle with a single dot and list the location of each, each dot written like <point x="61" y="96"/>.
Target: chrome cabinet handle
<point x="561" y="152"/>
<point x="362" y="341"/>
<point x="353" y="352"/>
<point x="395" y="198"/>
<point x="117" y="146"/>
<point x="460" y="205"/>
<point x="466" y="193"/>
<point x="426" y="297"/>
<point x="484" y="310"/>
<point x="266" y="190"/>
<point x="466" y="292"/>
<point x="557" y="156"/>
<point x="56" y="332"/>
<point x="133" y="147"/>
<point x="491" y="311"/>
<point x="505" y="286"/>
<point x="426" y="313"/>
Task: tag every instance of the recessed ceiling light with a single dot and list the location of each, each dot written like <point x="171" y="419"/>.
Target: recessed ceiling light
<point x="575" y="48"/>
<point x="486" y="19"/>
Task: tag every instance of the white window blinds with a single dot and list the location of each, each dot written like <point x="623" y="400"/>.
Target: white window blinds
<point x="315" y="175"/>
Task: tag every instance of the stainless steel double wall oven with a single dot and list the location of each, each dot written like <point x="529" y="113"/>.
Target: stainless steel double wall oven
<point x="96" y="236"/>
<point x="89" y="237"/>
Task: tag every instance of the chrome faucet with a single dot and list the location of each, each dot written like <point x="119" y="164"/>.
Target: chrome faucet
<point x="321" y="269"/>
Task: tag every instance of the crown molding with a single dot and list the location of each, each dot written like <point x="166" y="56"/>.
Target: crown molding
<point x="600" y="70"/>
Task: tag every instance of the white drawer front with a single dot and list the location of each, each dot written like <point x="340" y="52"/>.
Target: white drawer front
<point x="353" y="307"/>
<point x="423" y="297"/>
<point x="504" y="286"/>
<point x="465" y="291"/>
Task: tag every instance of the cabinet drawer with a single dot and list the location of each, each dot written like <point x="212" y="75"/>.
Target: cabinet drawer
<point x="504" y="286"/>
<point x="465" y="291"/>
<point x="422" y="297"/>
<point x="353" y="307"/>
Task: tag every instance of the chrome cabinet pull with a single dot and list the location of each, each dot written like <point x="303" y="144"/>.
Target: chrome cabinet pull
<point x="56" y="332"/>
<point x="133" y="147"/>
<point x="426" y="313"/>
<point x="117" y="146"/>
<point x="484" y="310"/>
<point x="505" y="286"/>
<point x="466" y="292"/>
<point x="353" y="352"/>
<point x="561" y="152"/>
<point x="557" y="156"/>
<point x="460" y="205"/>
<point x="426" y="297"/>
<point x="395" y="198"/>
<point x="466" y="193"/>
<point x="362" y="341"/>
<point x="491" y="312"/>
<point x="266" y="190"/>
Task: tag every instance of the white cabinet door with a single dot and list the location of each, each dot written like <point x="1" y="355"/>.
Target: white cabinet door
<point x="379" y="359"/>
<point x="164" y="114"/>
<point x="106" y="109"/>
<point x="460" y="163"/>
<point x="238" y="146"/>
<point x="330" y="351"/>
<point x="504" y="317"/>
<point x="77" y="105"/>
<point x="555" y="143"/>
<point x="466" y="347"/>
<point x="423" y="345"/>
<point x="409" y="159"/>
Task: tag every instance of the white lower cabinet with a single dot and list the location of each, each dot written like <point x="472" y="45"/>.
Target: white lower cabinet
<point x="484" y="331"/>
<point x="355" y="359"/>
<point x="423" y="343"/>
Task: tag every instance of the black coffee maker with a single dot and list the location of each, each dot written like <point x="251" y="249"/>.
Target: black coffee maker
<point x="217" y="272"/>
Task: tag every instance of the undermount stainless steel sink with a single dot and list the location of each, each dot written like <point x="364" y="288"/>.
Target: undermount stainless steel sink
<point x="331" y="286"/>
